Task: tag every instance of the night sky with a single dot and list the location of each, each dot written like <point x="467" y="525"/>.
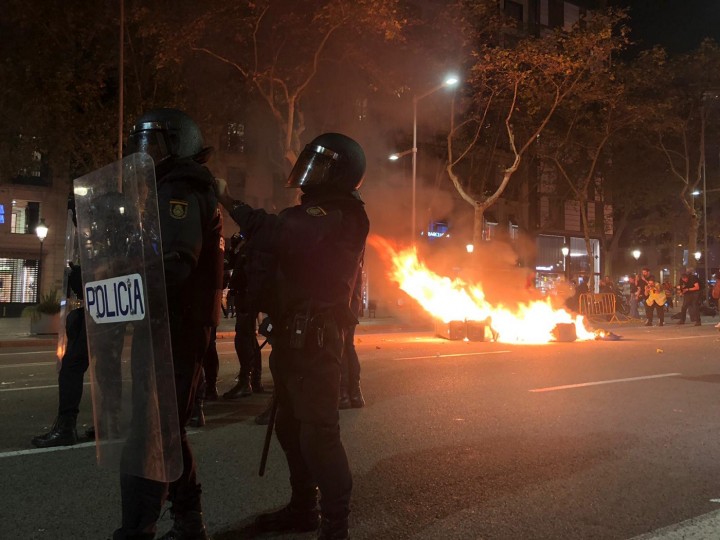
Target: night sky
<point x="677" y="25"/>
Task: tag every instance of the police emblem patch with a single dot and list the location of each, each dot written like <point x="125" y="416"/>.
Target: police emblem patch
<point x="178" y="209"/>
<point x="316" y="211"/>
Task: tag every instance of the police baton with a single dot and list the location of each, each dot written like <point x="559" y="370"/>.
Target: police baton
<point x="268" y="434"/>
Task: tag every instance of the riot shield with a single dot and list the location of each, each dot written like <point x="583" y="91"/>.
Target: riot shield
<point x="69" y="301"/>
<point x="133" y="388"/>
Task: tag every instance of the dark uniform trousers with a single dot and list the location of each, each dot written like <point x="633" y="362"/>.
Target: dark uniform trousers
<point x="350" y="372"/>
<point x="143" y="498"/>
<point x="246" y="345"/>
<point x="691" y="303"/>
<point x="74" y="364"/>
<point x="211" y="366"/>
<point x="307" y="425"/>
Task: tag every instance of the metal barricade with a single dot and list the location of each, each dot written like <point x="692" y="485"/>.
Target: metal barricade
<point x="601" y="305"/>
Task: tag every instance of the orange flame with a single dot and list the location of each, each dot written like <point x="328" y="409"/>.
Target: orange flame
<point x="448" y="300"/>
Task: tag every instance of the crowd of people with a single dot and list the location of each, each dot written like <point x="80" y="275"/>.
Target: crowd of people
<point x="301" y="269"/>
<point x="648" y="298"/>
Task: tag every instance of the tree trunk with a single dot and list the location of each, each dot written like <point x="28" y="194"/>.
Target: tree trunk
<point x="477" y="237"/>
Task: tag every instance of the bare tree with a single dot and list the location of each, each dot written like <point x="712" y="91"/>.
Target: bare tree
<point x="682" y="89"/>
<point x="524" y="84"/>
<point x="279" y="48"/>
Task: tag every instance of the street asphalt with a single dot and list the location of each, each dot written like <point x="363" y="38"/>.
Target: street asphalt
<point x="15" y="333"/>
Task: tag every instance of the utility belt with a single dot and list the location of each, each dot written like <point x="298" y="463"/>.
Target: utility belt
<point x="310" y="330"/>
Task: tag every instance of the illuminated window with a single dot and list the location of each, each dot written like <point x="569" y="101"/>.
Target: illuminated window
<point x="2" y="214"/>
<point x="25" y="216"/>
<point x="235" y="138"/>
<point x="489" y="227"/>
<point x="361" y="109"/>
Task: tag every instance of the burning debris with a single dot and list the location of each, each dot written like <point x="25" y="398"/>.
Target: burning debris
<point x="465" y="330"/>
<point x="462" y="311"/>
<point x="603" y="335"/>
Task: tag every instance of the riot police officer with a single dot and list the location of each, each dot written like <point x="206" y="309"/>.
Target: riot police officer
<point x="318" y="245"/>
<point x="191" y="233"/>
<point x="74" y="364"/>
<point x="247" y="299"/>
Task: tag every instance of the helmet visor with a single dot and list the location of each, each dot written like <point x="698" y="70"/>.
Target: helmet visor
<point x="149" y="138"/>
<point x="313" y="167"/>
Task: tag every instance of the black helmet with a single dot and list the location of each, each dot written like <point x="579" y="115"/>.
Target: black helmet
<point x="331" y="161"/>
<point x="168" y="134"/>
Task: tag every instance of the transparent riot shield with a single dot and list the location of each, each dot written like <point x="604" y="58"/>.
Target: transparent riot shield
<point x="69" y="300"/>
<point x="133" y="388"/>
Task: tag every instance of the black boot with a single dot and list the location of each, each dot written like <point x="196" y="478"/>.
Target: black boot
<point x="63" y="433"/>
<point x="357" y="401"/>
<point x="257" y="386"/>
<point x="187" y="526"/>
<point x="243" y="388"/>
<point x="334" y="529"/>
<point x="344" y="402"/>
<point x="289" y="519"/>
<point x="198" y="415"/>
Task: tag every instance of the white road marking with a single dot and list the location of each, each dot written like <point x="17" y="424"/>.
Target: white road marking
<point x="32" y="451"/>
<point x="45" y="450"/>
<point x="33" y="388"/>
<point x="30" y="364"/>
<point x="596" y="383"/>
<point x="45" y="351"/>
<point x="449" y="355"/>
<point x="715" y="336"/>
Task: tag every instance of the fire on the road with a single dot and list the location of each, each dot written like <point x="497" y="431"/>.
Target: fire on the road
<point x="449" y="300"/>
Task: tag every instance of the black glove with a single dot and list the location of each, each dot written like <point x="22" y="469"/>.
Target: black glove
<point x="266" y="327"/>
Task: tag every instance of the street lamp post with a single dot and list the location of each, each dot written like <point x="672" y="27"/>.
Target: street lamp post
<point x="41" y="231"/>
<point x="566" y="251"/>
<point x="450" y="80"/>
<point x="636" y="255"/>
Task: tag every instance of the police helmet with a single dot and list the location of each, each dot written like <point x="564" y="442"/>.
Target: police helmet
<point x="167" y="134"/>
<point x="330" y="162"/>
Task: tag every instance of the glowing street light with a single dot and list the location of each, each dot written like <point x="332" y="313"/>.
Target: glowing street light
<point x="398" y="155"/>
<point x="450" y="80"/>
<point x="697" y="255"/>
<point x="565" y="252"/>
<point x="41" y="231"/>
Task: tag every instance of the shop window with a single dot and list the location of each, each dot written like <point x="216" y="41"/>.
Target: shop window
<point x="18" y="280"/>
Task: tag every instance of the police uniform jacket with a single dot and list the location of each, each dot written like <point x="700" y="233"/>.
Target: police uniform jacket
<point x="193" y="249"/>
<point x="318" y="246"/>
